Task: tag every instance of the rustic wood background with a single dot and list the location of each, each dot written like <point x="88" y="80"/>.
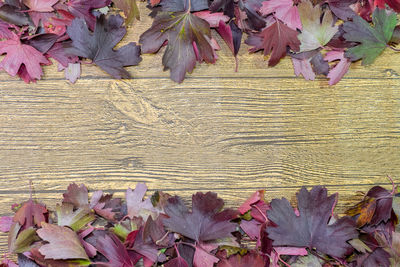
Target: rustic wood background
<point x="219" y="130"/>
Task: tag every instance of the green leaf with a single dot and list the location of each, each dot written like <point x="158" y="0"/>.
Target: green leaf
<point x="19" y="242"/>
<point x="77" y="219"/>
<point x="373" y="40"/>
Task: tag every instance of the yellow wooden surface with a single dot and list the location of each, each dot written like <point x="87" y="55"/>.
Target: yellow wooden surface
<point x="219" y="130"/>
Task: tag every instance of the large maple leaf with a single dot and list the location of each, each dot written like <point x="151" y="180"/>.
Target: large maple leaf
<point x="373" y="40"/>
<point x="274" y="40"/>
<point x="284" y="10"/>
<point x="19" y="54"/>
<point x="183" y="31"/>
<point x="99" y="46"/>
<point x="312" y="228"/>
<point x="206" y="221"/>
<point x="316" y="32"/>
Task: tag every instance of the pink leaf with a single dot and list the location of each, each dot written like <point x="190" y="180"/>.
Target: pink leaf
<point x="284" y="10"/>
<point x="40" y="5"/>
<point x="212" y="18"/>
<point x="5" y="223"/>
<point x="18" y="54"/>
<point x="203" y="259"/>
<point x="246" y="206"/>
<point x="340" y="69"/>
<point x="303" y="67"/>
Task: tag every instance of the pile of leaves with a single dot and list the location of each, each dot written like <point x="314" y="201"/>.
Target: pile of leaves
<point x="322" y="37"/>
<point x="102" y="230"/>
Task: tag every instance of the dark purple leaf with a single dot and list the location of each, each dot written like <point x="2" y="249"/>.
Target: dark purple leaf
<point x="310" y="229"/>
<point x="205" y="222"/>
<point x="98" y="46"/>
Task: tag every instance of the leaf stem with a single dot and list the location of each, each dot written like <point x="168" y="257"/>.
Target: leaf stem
<point x="393" y="48"/>
<point x="260" y="211"/>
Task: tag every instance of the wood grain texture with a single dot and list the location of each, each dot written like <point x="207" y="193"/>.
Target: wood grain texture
<point x="219" y="130"/>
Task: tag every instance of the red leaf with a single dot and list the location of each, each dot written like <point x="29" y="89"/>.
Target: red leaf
<point x="274" y="40"/>
<point x="30" y="214"/>
<point x="112" y="248"/>
<point x="395" y="4"/>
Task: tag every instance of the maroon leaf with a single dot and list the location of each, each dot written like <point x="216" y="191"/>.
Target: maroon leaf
<point x="83" y="9"/>
<point x="112" y="248"/>
<point x="274" y="40"/>
<point x="76" y="195"/>
<point x="31" y="214"/>
<point x="205" y="222"/>
<point x="250" y="259"/>
<point x="310" y="229"/>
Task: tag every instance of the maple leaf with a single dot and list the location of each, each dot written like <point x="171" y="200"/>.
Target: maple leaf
<point x="310" y="229"/>
<point x="103" y="205"/>
<point x="274" y="40"/>
<point x="76" y="195"/>
<point x="373" y="40"/>
<point x="284" y="10"/>
<point x="303" y="67"/>
<point x="136" y="205"/>
<point x="112" y="248"/>
<point x="83" y="9"/>
<point x="40" y="5"/>
<point x="316" y="32"/>
<point x="30" y="214"/>
<point x="99" y="46"/>
<point x="63" y="243"/>
<point x="341" y="8"/>
<point x="395" y="4"/>
<point x="19" y="54"/>
<point x="182" y="30"/>
<point x="206" y="221"/>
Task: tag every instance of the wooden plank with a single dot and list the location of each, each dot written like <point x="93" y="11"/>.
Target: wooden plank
<point x="203" y="134"/>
